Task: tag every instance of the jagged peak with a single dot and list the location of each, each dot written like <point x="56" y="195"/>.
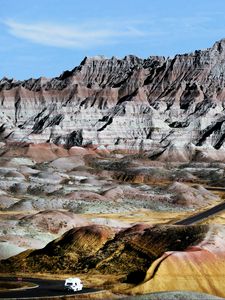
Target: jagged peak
<point x="122" y="66"/>
<point x="129" y="58"/>
<point x="132" y="57"/>
<point x="6" y="79"/>
<point x="90" y="59"/>
<point x="219" y="46"/>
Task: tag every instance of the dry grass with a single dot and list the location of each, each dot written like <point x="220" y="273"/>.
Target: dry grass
<point x="145" y="216"/>
<point x="8" y="285"/>
<point x="219" y="218"/>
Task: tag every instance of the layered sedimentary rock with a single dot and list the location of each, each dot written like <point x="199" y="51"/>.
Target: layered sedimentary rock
<point x="153" y="258"/>
<point x="171" y="108"/>
<point x="198" y="268"/>
<point x="105" y="250"/>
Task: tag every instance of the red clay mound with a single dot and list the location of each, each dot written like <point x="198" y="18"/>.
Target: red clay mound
<point x="54" y="221"/>
<point x="45" y="152"/>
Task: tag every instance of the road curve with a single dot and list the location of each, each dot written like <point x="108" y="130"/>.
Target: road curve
<point x="46" y="288"/>
<point x="202" y="215"/>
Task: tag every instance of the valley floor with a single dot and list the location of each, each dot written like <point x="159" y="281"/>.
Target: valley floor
<point x="109" y="218"/>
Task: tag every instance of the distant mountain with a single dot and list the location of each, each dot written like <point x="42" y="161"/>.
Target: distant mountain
<point x="168" y="108"/>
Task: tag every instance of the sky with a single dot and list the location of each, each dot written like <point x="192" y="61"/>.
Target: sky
<point x="47" y="37"/>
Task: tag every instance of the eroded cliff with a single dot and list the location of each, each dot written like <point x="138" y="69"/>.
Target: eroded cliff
<point x="169" y="108"/>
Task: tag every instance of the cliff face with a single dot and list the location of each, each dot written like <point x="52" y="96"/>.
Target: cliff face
<point x="172" y="108"/>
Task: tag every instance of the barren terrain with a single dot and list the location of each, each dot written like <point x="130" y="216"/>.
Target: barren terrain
<point x="110" y="215"/>
<point x="97" y="165"/>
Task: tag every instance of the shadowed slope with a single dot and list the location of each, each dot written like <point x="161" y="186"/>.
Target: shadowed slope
<point x="99" y="248"/>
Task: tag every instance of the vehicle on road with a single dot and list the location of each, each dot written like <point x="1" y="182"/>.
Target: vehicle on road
<point x="73" y="284"/>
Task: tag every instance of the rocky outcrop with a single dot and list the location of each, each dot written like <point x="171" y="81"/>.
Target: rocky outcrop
<point x="153" y="258"/>
<point x="103" y="250"/>
<point x="171" y="108"/>
<point x="196" y="269"/>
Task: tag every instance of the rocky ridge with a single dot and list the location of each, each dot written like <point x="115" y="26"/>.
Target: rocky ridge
<point x="102" y="249"/>
<point x="169" y="108"/>
<point x="149" y="258"/>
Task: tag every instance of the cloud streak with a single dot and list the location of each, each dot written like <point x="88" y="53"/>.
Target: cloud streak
<point x="73" y="36"/>
<point x="93" y="33"/>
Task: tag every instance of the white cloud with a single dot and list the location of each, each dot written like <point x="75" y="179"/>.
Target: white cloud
<point x="73" y="36"/>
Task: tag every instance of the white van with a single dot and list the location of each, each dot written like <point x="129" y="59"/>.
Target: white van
<point x="73" y="284"/>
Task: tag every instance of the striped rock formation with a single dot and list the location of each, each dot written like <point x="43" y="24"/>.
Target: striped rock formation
<point x="170" y="108"/>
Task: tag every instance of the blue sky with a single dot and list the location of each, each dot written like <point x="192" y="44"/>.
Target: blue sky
<point x="46" y="37"/>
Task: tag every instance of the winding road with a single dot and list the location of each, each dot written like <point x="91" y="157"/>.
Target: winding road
<point x="202" y="215"/>
<point x="46" y="288"/>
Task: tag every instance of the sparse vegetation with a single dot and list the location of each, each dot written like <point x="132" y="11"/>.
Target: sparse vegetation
<point x="115" y="190"/>
<point x="87" y="250"/>
<point x="7" y="285"/>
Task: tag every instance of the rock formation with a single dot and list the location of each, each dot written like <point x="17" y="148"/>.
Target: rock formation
<point x="169" y="108"/>
<point x="153" y="258"/>
<point x="198" y="268"/>
<point x="105" y="250"/>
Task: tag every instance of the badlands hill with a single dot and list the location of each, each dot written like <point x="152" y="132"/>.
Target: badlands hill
<point x="149" y="258"/>
<point x="172" y="108"/>
<point x="100" y="248"/>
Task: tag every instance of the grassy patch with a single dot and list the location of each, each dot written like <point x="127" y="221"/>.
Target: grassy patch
<point x="8" y="285"/>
